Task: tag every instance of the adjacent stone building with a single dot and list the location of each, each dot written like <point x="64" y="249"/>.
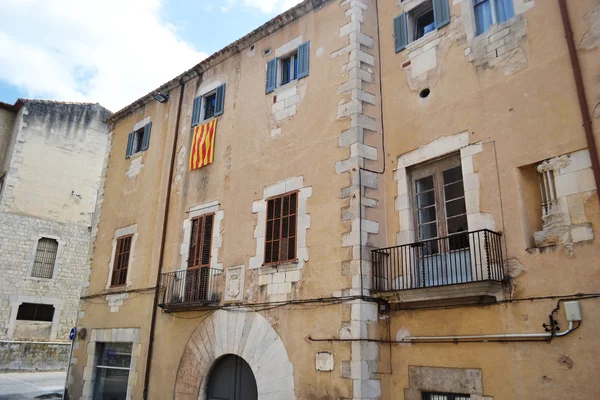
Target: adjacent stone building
<point x="357" y="200"/>
<point x="51" y="158"/>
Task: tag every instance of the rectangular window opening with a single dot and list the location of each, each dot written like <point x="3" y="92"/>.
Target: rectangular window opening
<point x="138" y="139"/>
<point x="289" y="68"/>
<point x="280" y="235"/>
<point x="35" y="312"/>
<point x="422" y="19"/>
<point x="210" y="104"/>
<point x="113" y="362"/>
<point x="490" y="12"/>
<point x="121" y="261"/>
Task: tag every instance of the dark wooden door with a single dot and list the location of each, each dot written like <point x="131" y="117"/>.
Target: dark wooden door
<point x="232" y="379"/>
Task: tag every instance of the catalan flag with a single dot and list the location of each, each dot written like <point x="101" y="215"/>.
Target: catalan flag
<point x="203" y="145"/>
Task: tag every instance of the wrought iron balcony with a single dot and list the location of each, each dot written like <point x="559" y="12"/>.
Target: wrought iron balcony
<point x="459" y="259"/>
<point x="190" y="289"/>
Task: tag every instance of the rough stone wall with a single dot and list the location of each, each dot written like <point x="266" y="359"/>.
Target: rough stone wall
<point x="33" y="356"/>
<point x="18" y="241"/>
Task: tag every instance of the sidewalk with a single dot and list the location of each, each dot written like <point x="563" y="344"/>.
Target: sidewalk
<point x="28" y="385"/>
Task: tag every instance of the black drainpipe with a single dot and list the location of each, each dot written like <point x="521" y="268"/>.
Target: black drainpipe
<point x="162" y="246"/>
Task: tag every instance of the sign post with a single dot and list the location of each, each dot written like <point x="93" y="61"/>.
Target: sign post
<point x="72" y="335"/>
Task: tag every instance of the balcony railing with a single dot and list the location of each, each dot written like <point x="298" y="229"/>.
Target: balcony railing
<point x="456" y="259"/>
<point x="191" y="288"/>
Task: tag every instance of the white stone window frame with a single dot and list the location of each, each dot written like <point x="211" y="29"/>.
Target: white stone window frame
<point x="259" y="208"/>
<point x="282" y="52"/>
<point x="204" y="91"/>
<point x="136" y="127"/>
<point x="217" y="235"/>
<point x="57" y="260"/>
<point x="125" y="231"/>
<point x="443" y="146"/>
<point x="115" y="335"/>
<point x="17" y="300"/>
<point x="468" y="12"/>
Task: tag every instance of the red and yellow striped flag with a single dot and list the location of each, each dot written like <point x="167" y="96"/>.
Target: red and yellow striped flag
<point x="203" y="145"/>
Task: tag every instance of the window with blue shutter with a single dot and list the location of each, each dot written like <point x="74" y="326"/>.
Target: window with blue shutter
<point x="303" y="59"/>
<point x="485" y="18"/>
<point x="271" y="75"/>
<point x="504" y="10"/>
<point x="129" y="150"/>
<point x="196" y="110"/>
<point x="419" y="21"/>
<point x="146" y="137"/>
<point x="400" y="32"/>
<point x="220" y="100"/>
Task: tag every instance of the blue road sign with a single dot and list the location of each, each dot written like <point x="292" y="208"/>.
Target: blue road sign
<point x="72" y="334"/>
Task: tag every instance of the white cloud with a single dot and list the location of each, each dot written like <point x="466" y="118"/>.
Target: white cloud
<point x="110" y="51"/>
<point x="270" y="6"/>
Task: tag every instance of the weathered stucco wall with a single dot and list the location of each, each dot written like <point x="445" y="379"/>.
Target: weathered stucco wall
<point x="7" y="120"/>
<point x="33" y="356"/>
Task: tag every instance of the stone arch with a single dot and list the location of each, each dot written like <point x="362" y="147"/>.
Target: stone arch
<point x="244" y="333"/>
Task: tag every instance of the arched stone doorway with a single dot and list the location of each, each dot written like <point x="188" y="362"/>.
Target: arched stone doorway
<point x="246" y="334"/>
<point x="231" y="379"/>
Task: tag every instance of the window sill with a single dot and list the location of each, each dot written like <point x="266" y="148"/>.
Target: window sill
<point x="273" y="268"/>
<point x="422" y="41"/>
<point x="281" y="88"/>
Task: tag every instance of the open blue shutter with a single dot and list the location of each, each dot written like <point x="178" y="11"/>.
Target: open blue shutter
<point x="196" y="110"/>
<point x="504" y="10"/>
<point x="303" y="59"/>
<point x="271" y="75"/>
<point x="129" y="145"/>
<point x="400" y="32"/>
<point x="146" y="138"/>
<point x="441" y="13"/>
<point x="220" y="100"/>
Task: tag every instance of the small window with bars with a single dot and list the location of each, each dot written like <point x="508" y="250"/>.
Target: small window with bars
<point x="280" y="243"/>
<point x="121" y="262"/>
<point x="445" y="396"/>
<point x="45" y="258"/>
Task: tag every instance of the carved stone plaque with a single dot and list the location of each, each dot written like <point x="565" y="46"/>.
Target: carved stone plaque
<point x="234" y="286"/>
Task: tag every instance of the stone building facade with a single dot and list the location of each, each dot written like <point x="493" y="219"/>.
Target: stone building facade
<point x="50" y="165"/>
<point x="401" y="204"/>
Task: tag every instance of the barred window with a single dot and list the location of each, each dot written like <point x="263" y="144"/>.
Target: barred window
<point x="45" y="258"/>
<point x="445" y="396"/>
<point x="121" y="262"/>
<point x="280" y="243"/>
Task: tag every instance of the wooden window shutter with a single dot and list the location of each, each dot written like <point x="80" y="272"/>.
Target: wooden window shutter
<point x="129" y="145"/>
<point x="271" y="75"/>
<point x="400" y="32"/>
<point x="220" y="100"/>
<point x="196" y="110"/>
<point x="201" y="241"/>
<point x="146" y="138"/>
<point x="303" y="59"/>
<point x="280" y="238"/>
<point x="441" y="13"/>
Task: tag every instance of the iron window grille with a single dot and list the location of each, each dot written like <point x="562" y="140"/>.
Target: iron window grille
<point x="45" y="258"/>
<point x="280" y="241"/>
<point x="121" y="262"/>
<point x="445" y="396"/>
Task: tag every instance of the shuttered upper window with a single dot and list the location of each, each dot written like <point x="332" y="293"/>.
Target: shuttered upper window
<point x="209" y="105"/>
<point x="138" y="140"/>
<point x="121" y="262"/>
<point x="280" y="243"/>
<point x="419" y="21"/>
<point x="485" y="17"/>
<point x="45" y="258"/>
<point x="201" y="241"/>
<point x="295" y="65"/>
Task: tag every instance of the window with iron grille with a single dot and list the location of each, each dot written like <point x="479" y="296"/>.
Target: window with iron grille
<point x="280" y="243"/>
<point x="45" y="258"/>
<point x="35" y="312"/>
<point x="445" y="396"/>
<point x="121" y="262"/>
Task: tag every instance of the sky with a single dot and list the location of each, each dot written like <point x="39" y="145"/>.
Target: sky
<point x="113" y="52"/>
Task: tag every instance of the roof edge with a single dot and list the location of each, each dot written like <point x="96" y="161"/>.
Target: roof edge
<point x="230" y="50"/>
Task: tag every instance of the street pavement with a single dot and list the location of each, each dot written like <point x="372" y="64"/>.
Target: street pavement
<point x="29" y="385"/>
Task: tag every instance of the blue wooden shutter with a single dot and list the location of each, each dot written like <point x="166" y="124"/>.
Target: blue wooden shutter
<point x="441" y="13"/>
<point x="220" y="100"/>
<point x="146" y="137"/>
<point x="129" y="145"/>
<point x="504" y="10"/>
<point x="196" y="110"/>
<point x="271" y="75"/>
<point x="303" y="59"/>
<point x="400" y="32"/>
